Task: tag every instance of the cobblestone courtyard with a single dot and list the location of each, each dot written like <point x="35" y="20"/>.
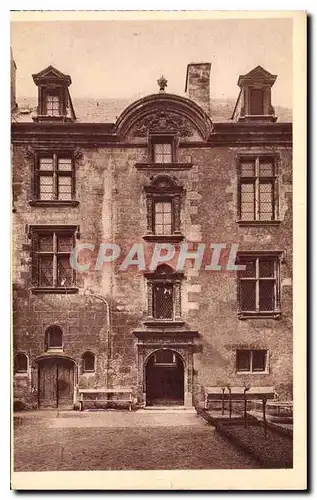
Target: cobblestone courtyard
<point x="118" y="440"/>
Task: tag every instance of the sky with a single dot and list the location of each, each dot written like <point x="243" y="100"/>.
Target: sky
<point x="123" y="59"/>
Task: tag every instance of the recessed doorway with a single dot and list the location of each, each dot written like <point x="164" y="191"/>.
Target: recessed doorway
<point x="164" y="379"/>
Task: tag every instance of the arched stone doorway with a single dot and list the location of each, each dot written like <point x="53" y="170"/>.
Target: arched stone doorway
<point x="56" y="382"/>
<point x="164" y="378"/>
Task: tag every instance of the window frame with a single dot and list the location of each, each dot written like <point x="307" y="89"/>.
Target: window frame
<point x="48" y="347"/>
<point x="50" y="94"/>
<point x="164" y="189"/>
<point x="168" y="284"/>
<point x="55" y="174"/>
<point x="277" y="257"/>
<point x="165" y="138"/>
<point x="163" y="199"/>
<point x="52" y="90"/>
<point x="256" y="180"/>
<point x="85" y="371"/>
<point x="251" y="353"/>
<point x="21" y="372"/>
<point x="35" y="233"/>
<point x="164" y="275"/>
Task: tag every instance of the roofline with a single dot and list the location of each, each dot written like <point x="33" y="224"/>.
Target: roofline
<point x="106" y="135"/>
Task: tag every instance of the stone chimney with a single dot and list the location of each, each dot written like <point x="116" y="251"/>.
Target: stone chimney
<point x="197" y="86"/>
<point x="13" y="80"/>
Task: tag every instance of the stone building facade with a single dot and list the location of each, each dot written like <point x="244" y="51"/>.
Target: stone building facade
<point x="163" y="172"/>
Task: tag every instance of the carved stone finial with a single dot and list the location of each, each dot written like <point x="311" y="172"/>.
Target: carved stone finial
<point x="162" y="83"/>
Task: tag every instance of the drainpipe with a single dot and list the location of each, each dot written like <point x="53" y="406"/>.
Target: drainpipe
<point x="90" y="293"/>
<point x="246" y="389"/>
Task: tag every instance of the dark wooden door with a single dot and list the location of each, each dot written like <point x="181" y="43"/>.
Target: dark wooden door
<point x="165" y="384"/>
<point x="56" y="383"/>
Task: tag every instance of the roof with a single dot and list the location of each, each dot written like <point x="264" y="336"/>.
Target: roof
<point x="50" y="73"/>
<point x="93" y="110"/>
<point x="257" y="74"/>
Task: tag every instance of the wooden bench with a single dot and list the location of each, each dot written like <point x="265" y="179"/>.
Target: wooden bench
<point x="234" y="394"/>
<point x="278" y="406"/>
<point x="106" y="393"/>
<point x="214" y="395"/>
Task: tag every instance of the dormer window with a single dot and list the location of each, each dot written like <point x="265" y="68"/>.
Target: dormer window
<point x="254" y="101"/>
<point x="54" y="101"/>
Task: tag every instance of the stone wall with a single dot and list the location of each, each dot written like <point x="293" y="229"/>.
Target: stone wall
<point x="112" y="208"/>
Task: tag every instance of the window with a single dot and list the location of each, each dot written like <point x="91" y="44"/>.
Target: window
<point x="164" y="294"/>
<point x="163" y="209"/>
<point x="54" y="178"/>
<point x="54" y="338"/>
<point x="162" y="153"/>
<point x="88" y="362"/>
<point x="52" y="102"/>
<point x="163" y="303"/>
<point x="259" y="284"/>
<point x="163" y="217"/>
<point x="251" y="360"/>
<point x="162" y="149"/>
<point x="257" y="189"/>
<point x="51" y="250"/>
<point x="20" y="363"/>
<point x="256" y="102"/>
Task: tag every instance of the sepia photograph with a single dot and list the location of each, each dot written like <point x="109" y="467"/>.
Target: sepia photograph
<point x="153" y="243"/>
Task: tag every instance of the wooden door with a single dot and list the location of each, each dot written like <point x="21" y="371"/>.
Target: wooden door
<point x="56" y="383"/>
<point x="65" y="384"/>
<point x="47" y="384"/>
<point x="165" y="384"/>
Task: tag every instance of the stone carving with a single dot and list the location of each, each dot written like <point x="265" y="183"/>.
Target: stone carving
<point x="166" y="340"/>
<point x="149" y="214"/>
<point x="162" y="121"/>
<point x="29" y="153"/>
<point x="78" y="154"/>
<point x="162" y="83"/>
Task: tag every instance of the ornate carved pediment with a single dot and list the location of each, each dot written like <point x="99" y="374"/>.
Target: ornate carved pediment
<point x="163" y="121"/>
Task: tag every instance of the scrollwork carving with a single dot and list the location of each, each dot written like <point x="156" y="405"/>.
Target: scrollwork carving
<point x="163" y="121"/>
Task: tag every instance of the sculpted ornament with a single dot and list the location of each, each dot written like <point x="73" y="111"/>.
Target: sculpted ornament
<point x="163" y="121"/>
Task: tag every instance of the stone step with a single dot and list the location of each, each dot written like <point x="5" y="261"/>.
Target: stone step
<point x="168" y="409"/>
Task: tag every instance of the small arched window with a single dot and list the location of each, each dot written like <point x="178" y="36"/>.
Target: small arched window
<point x="88" y="364"/>
<point x="20" y="363"/>
<point x="54" y="338"/>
